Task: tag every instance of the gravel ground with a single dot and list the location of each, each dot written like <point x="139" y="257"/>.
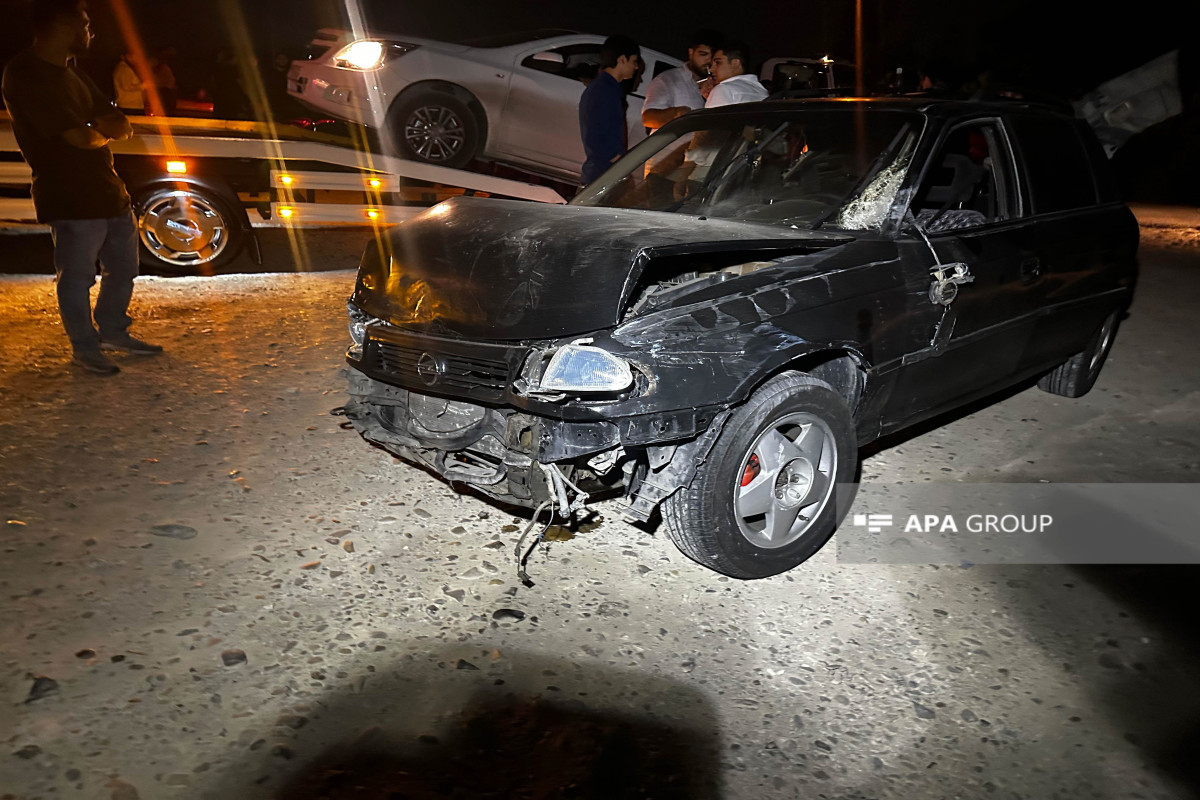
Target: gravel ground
<point x="213" y="590"/>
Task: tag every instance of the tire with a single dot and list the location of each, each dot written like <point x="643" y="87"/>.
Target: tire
<point x="717" y="522"/>
<point x="1076" y="376"/>
<point x="186" y="230"/>
<point x="434" y="127"/>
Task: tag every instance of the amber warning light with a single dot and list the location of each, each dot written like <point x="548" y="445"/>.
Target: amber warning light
<point x="177" y="167"/>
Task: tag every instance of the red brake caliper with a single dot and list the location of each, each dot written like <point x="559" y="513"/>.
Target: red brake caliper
<point x="751" y="471"/>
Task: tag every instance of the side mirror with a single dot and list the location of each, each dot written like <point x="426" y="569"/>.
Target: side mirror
<point x="548" y="57"/>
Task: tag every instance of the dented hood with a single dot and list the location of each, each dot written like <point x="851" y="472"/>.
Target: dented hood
<point x="513" y="270"/>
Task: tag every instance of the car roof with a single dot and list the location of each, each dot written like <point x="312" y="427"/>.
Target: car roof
<point x="518" y="37"/>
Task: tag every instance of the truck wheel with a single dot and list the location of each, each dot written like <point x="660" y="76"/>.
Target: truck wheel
<point x="766" y="498"/>
<point x="434" y="127"/>
<point x="1077" y="375"/>
<point x="186" y="229"/>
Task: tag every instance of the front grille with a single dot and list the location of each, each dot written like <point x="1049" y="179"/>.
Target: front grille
<point x="480" y="372"/>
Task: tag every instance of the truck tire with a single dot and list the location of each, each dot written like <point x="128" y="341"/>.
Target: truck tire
<point x="434" y="127"/>
<point x="185" y="229"/>
<point x="767" y="497"/>
<point x="1076" y="376"/>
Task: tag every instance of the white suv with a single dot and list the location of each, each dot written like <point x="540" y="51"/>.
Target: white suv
<point x="512" y="99"/>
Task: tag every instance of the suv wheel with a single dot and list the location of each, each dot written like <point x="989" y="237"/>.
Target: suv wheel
<point x="766" y="498"/>
<point x="1076" y="376"/>
<point x="185" y="229"/>
<point x="434" y="127"/>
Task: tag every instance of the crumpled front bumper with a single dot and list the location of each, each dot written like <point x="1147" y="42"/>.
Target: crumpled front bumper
<point x="496" y="450"/>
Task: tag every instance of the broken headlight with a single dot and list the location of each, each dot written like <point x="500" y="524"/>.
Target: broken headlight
<point x="579" y="368"/>
<point x="358" y="323"/>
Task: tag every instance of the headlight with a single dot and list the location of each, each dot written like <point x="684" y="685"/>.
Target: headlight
<point x="579" y="368"/>
<point x="368" y="54"/>
<point x="358" y="323"/>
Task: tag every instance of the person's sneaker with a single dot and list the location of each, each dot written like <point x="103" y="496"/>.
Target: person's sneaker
<point x="128" y="344"/>
<point x="95" y="361"/>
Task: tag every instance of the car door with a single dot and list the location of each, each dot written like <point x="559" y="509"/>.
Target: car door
<point x="1085" y="237"/>
<point x="969" y="217"/>
<point x="540" y="123"/>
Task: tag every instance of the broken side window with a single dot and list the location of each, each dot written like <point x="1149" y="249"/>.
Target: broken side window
<point x="968" y="182"/>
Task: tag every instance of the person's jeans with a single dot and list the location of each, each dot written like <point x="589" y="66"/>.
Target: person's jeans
<point x="78" y="243"/>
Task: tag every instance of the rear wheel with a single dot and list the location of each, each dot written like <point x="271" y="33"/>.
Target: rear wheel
<point x="186" y="229"/>
<point x="767" y="497"/>
<point x="1076" y="376"/>
<point x="434" y="127"/>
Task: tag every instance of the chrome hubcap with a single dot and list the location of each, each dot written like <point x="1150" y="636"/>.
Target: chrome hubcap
<point x="785" y="480"/>
<point x="182" y="228"/>
<point x="435" y="133"/>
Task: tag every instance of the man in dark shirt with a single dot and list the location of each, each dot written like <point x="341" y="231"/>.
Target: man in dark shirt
<point x="63" y="124"/>
<point x="602" y="107"/>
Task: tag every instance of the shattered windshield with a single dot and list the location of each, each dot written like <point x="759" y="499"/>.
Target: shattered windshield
<point x="839" y="167"/>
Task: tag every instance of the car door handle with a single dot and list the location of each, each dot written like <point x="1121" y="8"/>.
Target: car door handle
<point x="1031" y="270"/>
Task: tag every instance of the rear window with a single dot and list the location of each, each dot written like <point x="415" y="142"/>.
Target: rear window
<point x="1058" y="170"/>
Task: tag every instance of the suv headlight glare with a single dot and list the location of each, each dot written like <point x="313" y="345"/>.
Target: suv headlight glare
<point x="579" y="368"/>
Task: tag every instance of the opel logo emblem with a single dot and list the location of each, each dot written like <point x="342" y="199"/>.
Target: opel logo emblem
<point x="429" y="368"/>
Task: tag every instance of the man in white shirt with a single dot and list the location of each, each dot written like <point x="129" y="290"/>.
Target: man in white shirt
<point x="735" y="84"/>
<point x="677" y="91"/>
<point x="672" y="94"/>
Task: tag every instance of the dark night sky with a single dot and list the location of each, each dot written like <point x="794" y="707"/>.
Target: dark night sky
<point x="1064" y="45"/>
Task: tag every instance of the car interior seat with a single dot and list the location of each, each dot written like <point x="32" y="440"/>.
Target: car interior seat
<point x="946" y="202"/>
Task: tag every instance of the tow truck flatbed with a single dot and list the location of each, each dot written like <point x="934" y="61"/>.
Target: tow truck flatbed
<point x="201" y="186"/>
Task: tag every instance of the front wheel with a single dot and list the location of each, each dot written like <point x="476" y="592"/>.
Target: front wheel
<point x="186" y="229"/>
<point x="767" y="496"/>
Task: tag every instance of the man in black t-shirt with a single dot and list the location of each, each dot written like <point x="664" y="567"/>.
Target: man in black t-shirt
<point x="63" y="124"/>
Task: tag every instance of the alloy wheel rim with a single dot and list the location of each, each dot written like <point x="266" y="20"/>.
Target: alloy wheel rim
<point x="785" y="480"/>
<point x="435" y="133"/>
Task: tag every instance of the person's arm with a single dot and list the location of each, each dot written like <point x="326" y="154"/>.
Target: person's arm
<point x="614" y="128"/>
<point x="656" y="110"/>
<point x="114" y="126"/>
<point x="107" y="120"/>
<point x="85" y="137"/>
<point x="655" y="118"/>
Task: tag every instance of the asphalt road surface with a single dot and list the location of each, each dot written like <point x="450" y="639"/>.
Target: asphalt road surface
<point x="213" y="590"/>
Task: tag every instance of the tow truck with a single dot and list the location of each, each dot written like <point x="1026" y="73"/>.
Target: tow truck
<point x="201" y="187"/>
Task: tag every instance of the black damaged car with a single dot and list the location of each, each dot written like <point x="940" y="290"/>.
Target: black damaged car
<point x="717" y="324"/>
